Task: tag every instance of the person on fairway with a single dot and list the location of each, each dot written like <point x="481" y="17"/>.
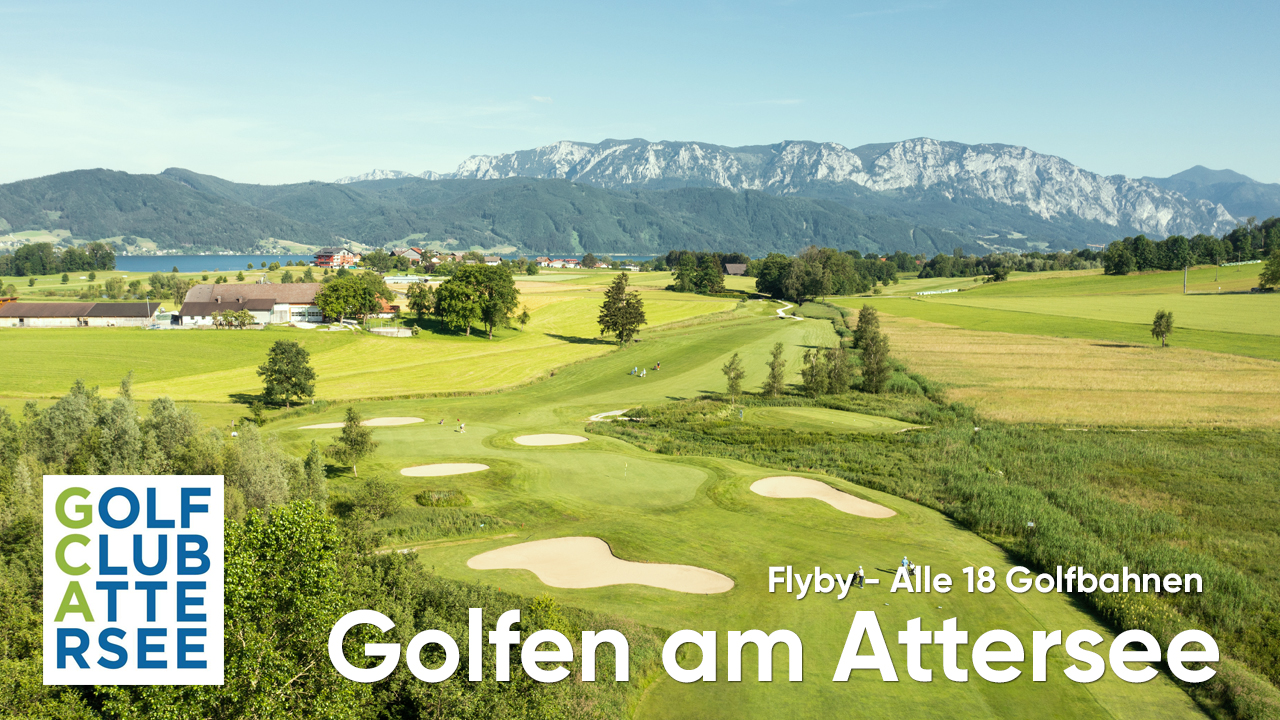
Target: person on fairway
<point x="462" y="427"/>
<point x="862" y="577"/>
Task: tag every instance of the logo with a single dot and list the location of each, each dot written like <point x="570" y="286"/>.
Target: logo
<point x="133" y="580"/>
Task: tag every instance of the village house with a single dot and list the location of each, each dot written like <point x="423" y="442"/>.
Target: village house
<point x="336" y="258"/>
<point x="76" y="314"/>
<point x="272" y="303"/>
<point x="542" y="261"/>
<point x="492" y="260"/>
<point x="735" y="269"/>
<point x="413" y="255"/>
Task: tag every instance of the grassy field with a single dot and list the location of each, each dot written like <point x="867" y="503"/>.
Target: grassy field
<point x="698" y="511"/>
<point x="1076" y="347"/>
<point x="216" y="365"/>
<point x="1036" y="378"/>
<point x="810" y="419"/>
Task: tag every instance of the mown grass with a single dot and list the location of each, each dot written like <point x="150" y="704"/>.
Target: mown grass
<point x="219" y="365"/>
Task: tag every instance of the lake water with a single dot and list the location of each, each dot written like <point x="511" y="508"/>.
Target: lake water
<point x="200" y="263"/>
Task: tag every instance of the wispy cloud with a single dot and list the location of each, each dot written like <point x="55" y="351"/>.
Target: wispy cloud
<point x="541" y="99"/>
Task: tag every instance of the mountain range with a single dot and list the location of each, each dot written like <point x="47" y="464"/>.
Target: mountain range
<point x="907" y="179"/>
<point x="641" y="197"/>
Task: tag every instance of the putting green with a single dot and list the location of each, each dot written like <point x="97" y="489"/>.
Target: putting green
<point x="808" y="419"/>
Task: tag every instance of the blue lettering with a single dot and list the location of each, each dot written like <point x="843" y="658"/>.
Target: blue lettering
<point x="152" y="522"/>
<point x="184" y="647"/>
<point x="105" y="502"/>
<point x="184" y="601"/>
<point x="104" y="567"/>
<point x="151" y="587"/>
<point x="111" y="588"/>
<point x="188" y="507"/>
<point x="77" y="652"/>
<point x="104" y="641"/>
<point x="145" y="648"/>
<point x="162" y="553"/>
<point x="202" y="547"/>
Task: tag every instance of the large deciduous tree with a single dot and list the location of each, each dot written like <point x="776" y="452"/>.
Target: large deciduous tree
<point x="478" y="292"/>
<point x="622" y="312"/>
<point x="287" y="373"/>
<point x="1270" y="276"/>
<point x="422" y="299"/>
<point x="346" y="296"/>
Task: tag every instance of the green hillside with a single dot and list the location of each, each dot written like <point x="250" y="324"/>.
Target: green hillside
<point x="180" y="209"/>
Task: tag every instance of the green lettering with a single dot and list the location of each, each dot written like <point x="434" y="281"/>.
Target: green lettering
<point x="86" y="511"/>
<point x="74" y="602"/>
<point x="61" y="554"/>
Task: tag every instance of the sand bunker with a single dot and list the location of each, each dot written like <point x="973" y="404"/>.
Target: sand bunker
<point x="549" y="439"/>
<point x="442" y="469"/>
<point x="371" y="422"/>
<point x="786" y="487"/>
<point x="587" y="562"/>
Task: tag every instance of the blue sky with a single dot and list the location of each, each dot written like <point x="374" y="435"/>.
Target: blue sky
<point x="314" y="91"/>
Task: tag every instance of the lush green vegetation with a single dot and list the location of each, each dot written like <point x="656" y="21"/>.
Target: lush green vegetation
<point x="1165" y="502"/>
<point x="182" y="209"/>
<point x="671" y="486"/>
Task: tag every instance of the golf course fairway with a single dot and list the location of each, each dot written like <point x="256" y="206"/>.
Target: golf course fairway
<point x="700" y="512"/>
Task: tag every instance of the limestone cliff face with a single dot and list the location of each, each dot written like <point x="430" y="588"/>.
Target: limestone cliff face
<point x="1044" y="185"/>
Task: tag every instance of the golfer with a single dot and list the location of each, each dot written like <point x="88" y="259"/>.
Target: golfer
<point x="862" y="577"/>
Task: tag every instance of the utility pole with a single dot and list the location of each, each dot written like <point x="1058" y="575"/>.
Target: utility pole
<point x="1184" y="279"/>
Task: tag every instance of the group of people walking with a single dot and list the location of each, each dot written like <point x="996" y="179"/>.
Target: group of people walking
<point x="642" y="372"/>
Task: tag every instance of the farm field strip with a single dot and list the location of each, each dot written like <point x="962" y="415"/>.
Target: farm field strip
<point x="971" y="317"/>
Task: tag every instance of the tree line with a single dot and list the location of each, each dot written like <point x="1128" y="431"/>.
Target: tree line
<point x="831" y="371"/>
<point x="45" y="259"/>
<point x="1249" y="241"/>
<point x="818" y="272"/>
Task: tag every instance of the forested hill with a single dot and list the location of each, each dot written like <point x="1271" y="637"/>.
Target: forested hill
<point x="180" y="209"/>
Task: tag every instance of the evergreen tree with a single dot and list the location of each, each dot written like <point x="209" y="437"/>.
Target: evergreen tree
<point x="774" y="384"/>
<point x="287" y="373"/>
<point x="734" y="373"/>
<point x="868" y="326"/>
<point x="686" y="279"/>
<point x="876" y="370"/>
<point x="314" y="485"/>
<point x="354" y="444"/>
<point x="622" y="312"/>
